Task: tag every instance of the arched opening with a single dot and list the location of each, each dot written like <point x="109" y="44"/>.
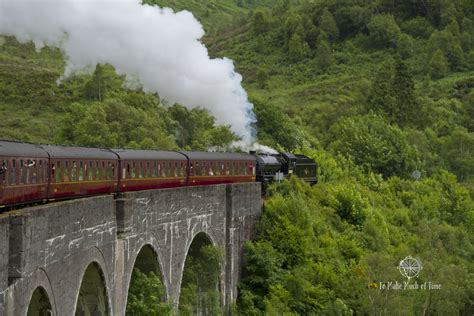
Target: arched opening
<point x="92" y="300"/>
<point x="39" y="304"/>
<point x="200" y="285"/>
<point x="146" y="292"/>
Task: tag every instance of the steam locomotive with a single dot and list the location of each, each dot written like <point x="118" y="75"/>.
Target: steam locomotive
<point x="32" y="173"/>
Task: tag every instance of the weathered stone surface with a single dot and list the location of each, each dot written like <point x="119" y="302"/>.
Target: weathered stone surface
<point x="4" y="250"/>
<point x="51" y="246"/>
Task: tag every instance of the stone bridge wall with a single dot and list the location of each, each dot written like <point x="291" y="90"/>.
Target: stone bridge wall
<point x="52" y="245"/>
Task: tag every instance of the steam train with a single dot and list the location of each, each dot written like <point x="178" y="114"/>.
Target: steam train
<point x="32" y="173"/>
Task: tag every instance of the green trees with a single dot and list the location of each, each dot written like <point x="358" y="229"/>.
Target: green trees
<point x="145" y="295"/>
<point x="275" y="128"/>
<point x="137" y="121"/>
<point x="323" y="53"/>
<point x="439" y="65"/>
<point x="373" y="144"/>
<point x="259" y="22"/>
<point x="295" y="47"/>
<point x="199" y="289"/>
<point x="328" y="25"/>
<point x="195" y="129"/>
<point x="384" y="31"/>
<point x="450" y="46"/>
<point x="354" y="232"/>
<point x="113" y="123"/>
<point x="393" y="94"/>
<point x="406" y="107"/>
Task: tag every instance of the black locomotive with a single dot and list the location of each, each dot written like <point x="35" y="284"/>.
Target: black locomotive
<point x="276" y="167"/>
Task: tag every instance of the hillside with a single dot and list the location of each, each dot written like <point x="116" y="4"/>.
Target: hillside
<point x="378" y="92"/>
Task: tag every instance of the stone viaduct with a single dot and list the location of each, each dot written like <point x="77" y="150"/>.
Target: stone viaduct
<point x="66" y="251"/>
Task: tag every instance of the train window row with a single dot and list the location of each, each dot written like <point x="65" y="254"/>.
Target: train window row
<point x="78" y="170"/>
<point x="153" y="169"/>
<point x="24" y="171"/>
<point x="217" y="168"/>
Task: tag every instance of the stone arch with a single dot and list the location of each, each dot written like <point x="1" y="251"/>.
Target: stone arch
<point x="92" y="299"/>
<point x="147" y="262"/>
<point x="205" y="282"/>
<point x="30" y="289"/>
<point x="40" y="304"/>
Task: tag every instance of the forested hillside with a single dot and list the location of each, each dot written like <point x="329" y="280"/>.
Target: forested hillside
<point x="380" y="93"/>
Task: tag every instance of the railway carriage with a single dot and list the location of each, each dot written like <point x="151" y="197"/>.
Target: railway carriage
<point x="78" y="171"/>
<point x="149" y="169"/>
<point x="23" y="173"/>
<point x="207" y="168"/>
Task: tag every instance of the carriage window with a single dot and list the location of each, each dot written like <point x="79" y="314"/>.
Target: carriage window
<point x="154" y="170"/>
<point x="27" y="172"/>
<point x="5" y="170"/>
<point x="205" y="169"/>
<point x="56" y="172"/>
<point x="103" y="171"/>
<point x="134" y="170"/>
<point x="86" y="170"/>
<point x="33" y="172"/>
<point x="109" y="170"/>
<point x="13" y="173"/>
<point x="127" y="174"/>
<point x="246" y="170"/>
<point x="217" y="170"/>
<point x="158" y="172"/>
<point x="140" y="170"/>
<point x="112" y="171"/>
<point x="163" y="170"/>
<point x="66" y="171"/>
<point x="81" y="171"/>
<point x="181" y="169"/>
<point x="175" y="169"/>
<point x="197" y="169"/>
<point x="97" y="170"/>
<point x="91" y="170"/>
<point x="21" y="172"/>
<point x="211" y="168"/>
<point x="74" y="171"/>
<point x="147" y="171"/>
<point x="170" y="171"/>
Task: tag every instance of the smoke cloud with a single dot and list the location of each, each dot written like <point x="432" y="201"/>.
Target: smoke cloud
<point x="156" y="46"/>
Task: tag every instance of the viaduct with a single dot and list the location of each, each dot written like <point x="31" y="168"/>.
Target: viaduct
<point x="77" y="257"/>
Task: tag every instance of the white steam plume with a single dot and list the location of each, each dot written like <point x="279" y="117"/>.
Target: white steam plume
<point x="158" y="47"/>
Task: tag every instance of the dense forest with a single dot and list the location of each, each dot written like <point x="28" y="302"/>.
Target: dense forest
<point x="380" y="93"/>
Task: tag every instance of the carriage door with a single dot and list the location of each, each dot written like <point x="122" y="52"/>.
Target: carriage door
<point x="3" y="176"/>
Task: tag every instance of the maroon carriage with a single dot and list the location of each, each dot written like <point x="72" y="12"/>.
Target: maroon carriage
<point x="23" y="173"/>
<point x="216" y="168"/>
<point x="78" y="171"/>
<point x="147" y="169"/>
